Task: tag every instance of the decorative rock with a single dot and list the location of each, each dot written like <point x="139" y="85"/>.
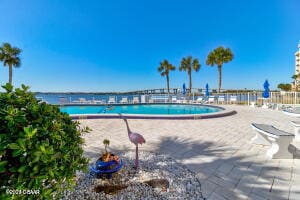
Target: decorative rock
<point x="158" y="183"/>
<point x="159" y="177"/>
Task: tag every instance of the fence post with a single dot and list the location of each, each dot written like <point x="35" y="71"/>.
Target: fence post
<point x="248" y="99"/>
<point x="294" y="99"/>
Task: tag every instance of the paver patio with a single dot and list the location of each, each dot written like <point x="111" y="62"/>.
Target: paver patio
<point x="217" y="150"/>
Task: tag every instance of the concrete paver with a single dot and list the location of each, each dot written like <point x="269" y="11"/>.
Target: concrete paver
<point x="218" y="150"/>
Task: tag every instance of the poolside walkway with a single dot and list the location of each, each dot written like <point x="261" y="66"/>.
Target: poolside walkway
<point x="218" y="150"/>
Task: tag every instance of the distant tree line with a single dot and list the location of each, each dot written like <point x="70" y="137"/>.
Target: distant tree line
<point x="284" y="86"/>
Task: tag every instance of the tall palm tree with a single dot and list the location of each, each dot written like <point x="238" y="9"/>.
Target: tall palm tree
<point x="219" y="56"/>
<point x="10" y="56"/>
<point x="188" y="64"/>
<point x="164" y="70"/>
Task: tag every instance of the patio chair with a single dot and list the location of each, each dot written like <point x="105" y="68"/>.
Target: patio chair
<point x="199" y="100"/>
<point x="252" y="104"/>
<point x="221" y="99"/>
<point x="83" y="101"/>
<point x="280" y="140"/>
<point x="135" y="100"/>
<point x="233" y="99"/>
<point x="211" y="99"/>
<point x="124" y="100"/>
<point x="111" y="100"/>
<point x="295" y="112"/>
<point x="174" y="99"/>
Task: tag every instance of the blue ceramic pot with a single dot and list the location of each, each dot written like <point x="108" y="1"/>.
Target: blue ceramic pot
<point x="106" y="169"/>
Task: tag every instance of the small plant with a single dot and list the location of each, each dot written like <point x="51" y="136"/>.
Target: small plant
<point x="106" y="143"/>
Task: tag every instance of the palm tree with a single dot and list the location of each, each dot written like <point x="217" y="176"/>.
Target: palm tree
<point x="188" y="64"/>
<point x="10" y="56"/>
<point x="164" y="69"/>
<point x="296" y="78"/>
<point x="219" y="56"/>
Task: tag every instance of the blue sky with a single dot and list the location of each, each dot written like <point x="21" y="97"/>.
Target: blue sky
<point x="118" y="45"/>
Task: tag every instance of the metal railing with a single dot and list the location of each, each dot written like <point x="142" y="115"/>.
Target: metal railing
<point x="243" y="98"/>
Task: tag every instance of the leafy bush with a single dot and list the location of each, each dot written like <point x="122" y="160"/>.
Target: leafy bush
<point x="40" y="147"/>
<point x="284" y="87"/>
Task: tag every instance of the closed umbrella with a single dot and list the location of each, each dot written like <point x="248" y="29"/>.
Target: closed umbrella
<point x="266" y="93"/>
<point x="206" y="90"/>
<point x="183" y="89"/>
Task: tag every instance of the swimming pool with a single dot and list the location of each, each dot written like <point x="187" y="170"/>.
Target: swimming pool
<point x="168" y="111"/>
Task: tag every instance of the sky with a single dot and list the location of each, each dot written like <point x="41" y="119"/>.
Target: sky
<point x="101" y="46"/>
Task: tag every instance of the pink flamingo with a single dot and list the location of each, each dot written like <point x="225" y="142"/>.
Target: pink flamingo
<point x="136" y="139"/>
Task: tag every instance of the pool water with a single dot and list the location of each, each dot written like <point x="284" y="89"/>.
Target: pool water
<point x="151" y="109"/>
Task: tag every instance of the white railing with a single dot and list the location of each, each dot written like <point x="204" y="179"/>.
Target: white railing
<point x="243" y="98"/>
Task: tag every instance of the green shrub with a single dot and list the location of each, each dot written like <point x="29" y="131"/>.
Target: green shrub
<point x="284" y="86"/>
<point x="40" y="147"/>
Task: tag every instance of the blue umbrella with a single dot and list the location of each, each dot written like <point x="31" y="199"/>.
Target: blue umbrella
<point x="206" y="90"/>
<point x="183" y="89"/>
<point x="266" y="94"/>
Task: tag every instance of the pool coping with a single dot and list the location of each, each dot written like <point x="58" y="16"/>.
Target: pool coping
<point x="225" y="112"/>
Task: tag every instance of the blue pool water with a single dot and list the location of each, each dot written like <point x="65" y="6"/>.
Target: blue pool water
<point x="152" y="109"/>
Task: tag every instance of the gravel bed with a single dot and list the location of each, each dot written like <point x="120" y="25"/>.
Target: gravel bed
<point x="183" y="183"/>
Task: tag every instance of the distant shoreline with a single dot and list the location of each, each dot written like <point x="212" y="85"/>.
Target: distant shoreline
<point x="95" y="93"/>
<point x="143" y="92"/>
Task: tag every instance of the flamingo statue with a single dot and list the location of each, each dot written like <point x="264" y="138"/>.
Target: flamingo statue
<point x="136" y="139"/>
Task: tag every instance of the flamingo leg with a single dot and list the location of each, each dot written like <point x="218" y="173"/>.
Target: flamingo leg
<point x="136" y="157"/>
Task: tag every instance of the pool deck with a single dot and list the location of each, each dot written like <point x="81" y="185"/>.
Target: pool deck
<point x="218" y="150"/>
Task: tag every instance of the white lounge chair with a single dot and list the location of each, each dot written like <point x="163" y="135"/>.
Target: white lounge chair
<point x="295" y="112"/>
<point x="184" y="100"/>
<point x="83" y="101"/>
<point x="252" y="104"/>
<point x="221" y="99"/>
<point x="124" y="100"/>
<point x="279" y="139"/>
<point x="111" y="100"/>
<point x="174" y="99"/>
<point x="233" y="99"/>
<point x="135" y="100"/>
<point x="211" y="99"/>
<point x="199" y="100"/>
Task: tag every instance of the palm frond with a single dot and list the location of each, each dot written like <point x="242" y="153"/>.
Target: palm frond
<point x="196" y="64"/>
<point x="165" y="67"/>
<point x="10" y="55"/>
<point x="210" y="60"/>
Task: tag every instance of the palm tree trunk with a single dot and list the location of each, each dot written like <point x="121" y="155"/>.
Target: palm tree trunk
<point x="190" y="84"/>
<point x="220" y="77"/>
<point x="10" y="74"/>
<point x="168" y="85"/>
